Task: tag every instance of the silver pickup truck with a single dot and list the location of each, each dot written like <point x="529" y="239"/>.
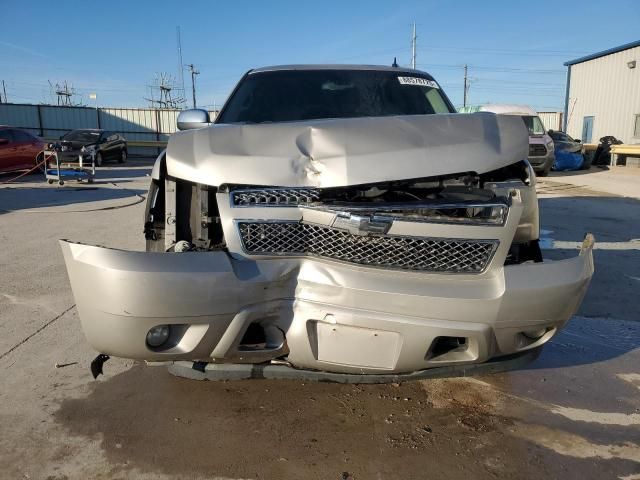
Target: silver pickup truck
<point x="334" y="218"/>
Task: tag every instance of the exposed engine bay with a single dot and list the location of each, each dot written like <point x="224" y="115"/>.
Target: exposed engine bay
<point x="457" y="198"/>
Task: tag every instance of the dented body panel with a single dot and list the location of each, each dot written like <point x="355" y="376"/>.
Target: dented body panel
<point x="372" y="245"/>
<point x="336" y="152"/>
<point x="336" y="317"/>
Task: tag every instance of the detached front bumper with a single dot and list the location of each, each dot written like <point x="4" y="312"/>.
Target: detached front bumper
<point x="323" y="314"/>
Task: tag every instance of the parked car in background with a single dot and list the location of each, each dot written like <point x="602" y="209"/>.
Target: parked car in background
<point x="19" y="149"/>
<point x="104" y="144"/>
<point x="568" y="152"/>
<point x="563" y="141"/>
<point x="541" y="149"/>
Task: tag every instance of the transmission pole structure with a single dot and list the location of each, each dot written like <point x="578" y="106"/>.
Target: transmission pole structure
<point x="4" y="89"/>
<point x="194" y="72"/>
<point x="466" y="86"/>
<point x="180" y="64"/>
<point x="413" y="47"/>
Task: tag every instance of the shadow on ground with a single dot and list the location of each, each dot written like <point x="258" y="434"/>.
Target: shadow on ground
<point x="32" y="198"/>
<point x="615" y="222"/>
<point x="155" y="423"/>
<point x="574" y="173"/>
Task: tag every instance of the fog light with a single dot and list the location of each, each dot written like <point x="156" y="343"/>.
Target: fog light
<point x="158" y="335"/>
<point x="535" y="334"/>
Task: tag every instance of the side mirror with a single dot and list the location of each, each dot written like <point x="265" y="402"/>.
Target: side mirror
<point x="4" y="141"/>
<point x="194" y="118"/>
<point x="577" y="140"/>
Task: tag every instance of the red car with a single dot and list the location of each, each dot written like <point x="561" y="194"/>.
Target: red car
<point x="19" y="149"/>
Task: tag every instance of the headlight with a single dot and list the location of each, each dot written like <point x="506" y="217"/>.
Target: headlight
<point x="88" y="149"/>
<point x="550" y="145"/>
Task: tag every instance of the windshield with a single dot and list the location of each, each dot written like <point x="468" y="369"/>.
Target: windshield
<point x="82" y="136"/>
<point x="284" y="96"/>
<point x="534" y="124"/>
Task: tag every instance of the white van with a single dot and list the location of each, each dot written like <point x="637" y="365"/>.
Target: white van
<point x="541" y="153"/>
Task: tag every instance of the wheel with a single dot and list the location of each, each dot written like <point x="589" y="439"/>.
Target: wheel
<point x="39" y="160"/>
<point x="123" y="156"/>
<point x="50" y="182"/>
<point x="60" y="182"/>
<point x="98" y="159"/>
<point x="546" y="169"/>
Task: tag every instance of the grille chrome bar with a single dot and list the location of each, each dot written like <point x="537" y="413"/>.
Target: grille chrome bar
<point x="274" y="197"/>
<point x="485" y="214"/>
<point x="291" y="238"/>
<point x="491" y="213"/>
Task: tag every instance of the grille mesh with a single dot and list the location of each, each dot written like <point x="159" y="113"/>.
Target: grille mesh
<point x="537" y="150"/>
<point x="409" y="253"/>
<point x="274" y="197"/>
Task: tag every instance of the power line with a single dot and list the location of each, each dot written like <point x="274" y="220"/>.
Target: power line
<point x="498" y="69"/>
<point x="507" y="51"/>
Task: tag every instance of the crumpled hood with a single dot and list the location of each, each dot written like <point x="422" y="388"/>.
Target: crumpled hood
<point x="338" y="152"/>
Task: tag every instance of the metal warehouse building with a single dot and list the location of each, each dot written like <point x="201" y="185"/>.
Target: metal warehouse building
<point x="603" y="95"/>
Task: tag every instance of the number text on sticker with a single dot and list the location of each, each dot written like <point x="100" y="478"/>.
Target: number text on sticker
<point x="423" y="82"/>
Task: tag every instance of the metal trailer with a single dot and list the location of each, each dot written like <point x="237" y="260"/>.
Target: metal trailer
<point x="59" y="174"/>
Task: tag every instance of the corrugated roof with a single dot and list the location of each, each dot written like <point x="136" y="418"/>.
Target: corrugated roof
<point x="626" y="46"/>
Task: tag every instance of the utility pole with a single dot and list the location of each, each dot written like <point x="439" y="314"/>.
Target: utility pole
<point x="180" y="64"/>
<point x="466" y="86"/>
<point x="194" y="72"/>
<point x="413" y="47"/>
<point x="4" y="89"/>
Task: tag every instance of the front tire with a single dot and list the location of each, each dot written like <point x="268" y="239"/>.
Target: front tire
<point x="40" y="166"/>
<point x="123" y="156"/>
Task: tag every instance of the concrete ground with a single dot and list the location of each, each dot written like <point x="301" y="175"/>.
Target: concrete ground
<point x="573" y="413"/>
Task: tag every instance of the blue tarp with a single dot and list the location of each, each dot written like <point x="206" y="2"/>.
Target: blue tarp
<point x="567" y="160"/>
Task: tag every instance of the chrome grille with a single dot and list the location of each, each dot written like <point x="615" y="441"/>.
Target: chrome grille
<point x="537" y="150"/>
<point x="409" y="253"/>
<point x="274" y="197"/>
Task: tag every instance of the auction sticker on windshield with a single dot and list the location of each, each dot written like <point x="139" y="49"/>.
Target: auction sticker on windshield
<point x="422" y="82"/>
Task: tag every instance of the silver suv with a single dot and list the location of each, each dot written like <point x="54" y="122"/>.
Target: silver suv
<point x="336" y="219"/>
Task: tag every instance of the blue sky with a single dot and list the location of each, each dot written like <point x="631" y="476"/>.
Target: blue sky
<point x="514" y="49"/>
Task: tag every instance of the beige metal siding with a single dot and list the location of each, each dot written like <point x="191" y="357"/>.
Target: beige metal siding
<point x="607" y="89"/>
<point x="551" y="120"/>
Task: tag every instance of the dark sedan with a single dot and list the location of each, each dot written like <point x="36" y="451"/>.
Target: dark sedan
<point x="105" y="145"/>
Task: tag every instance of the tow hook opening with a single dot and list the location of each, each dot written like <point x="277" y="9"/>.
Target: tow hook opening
<point x="443" y="347"/>
<point x="259" y="337"/>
